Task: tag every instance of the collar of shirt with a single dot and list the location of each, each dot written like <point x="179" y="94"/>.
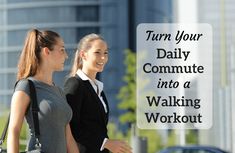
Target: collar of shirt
<point x="84" y="77"/>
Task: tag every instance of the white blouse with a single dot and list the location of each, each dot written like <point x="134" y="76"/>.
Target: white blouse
<point x="97" y="86"/>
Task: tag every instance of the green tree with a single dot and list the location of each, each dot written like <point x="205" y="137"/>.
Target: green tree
<point x="127" y="93"/>
<point x="127" y="97"/>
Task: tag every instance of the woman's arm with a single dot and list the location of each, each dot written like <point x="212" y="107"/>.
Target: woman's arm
<point x="19" y="104"/>
<point x="73" y="93"/>
<point x="71" y="143"/>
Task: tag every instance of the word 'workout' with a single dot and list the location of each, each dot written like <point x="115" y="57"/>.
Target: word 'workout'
<point x="174" y="76"/>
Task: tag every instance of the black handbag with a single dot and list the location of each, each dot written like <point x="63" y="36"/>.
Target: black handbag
<point x="35" y="110"/>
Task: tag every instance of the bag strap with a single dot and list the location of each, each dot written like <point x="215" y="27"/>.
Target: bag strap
<point x="35" y="110"/>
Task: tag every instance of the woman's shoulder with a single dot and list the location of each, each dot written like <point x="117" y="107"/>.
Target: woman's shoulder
<point x="72" y="83"/>
<point x="72" y="80"/>
<point x="22" y="85"/>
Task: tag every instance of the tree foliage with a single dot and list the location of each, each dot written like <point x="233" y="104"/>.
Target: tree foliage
<point x="127" y="97"/>
<point x="127" y="94"/>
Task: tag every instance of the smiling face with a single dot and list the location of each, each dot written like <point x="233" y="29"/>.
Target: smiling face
<point x="95" y="58"/>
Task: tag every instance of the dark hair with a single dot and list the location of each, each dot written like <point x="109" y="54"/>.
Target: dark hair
<point x="30" y="56"/>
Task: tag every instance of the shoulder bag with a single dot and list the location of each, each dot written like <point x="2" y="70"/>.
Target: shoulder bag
<point x="35" y="110"/>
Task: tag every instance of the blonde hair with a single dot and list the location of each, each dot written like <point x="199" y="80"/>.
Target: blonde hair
<point x="83" y="45"/>
<point x="30" y="56"/>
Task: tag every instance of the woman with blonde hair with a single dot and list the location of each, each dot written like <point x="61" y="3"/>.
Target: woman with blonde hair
<point x="43" y="54"/>
<point x="86" y="97"/>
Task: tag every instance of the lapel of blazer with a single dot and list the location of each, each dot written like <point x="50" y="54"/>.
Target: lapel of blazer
<point x="97" y="99"/>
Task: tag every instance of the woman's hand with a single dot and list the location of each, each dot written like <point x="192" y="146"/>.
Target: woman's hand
<point x="117" y="146"/>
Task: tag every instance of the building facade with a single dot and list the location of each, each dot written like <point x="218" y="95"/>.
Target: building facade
<point x="115" y="20"/>
<point x="72" y="19"/>
<point x="220" y="15"/>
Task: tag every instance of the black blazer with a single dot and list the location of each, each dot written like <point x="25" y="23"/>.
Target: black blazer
<point x="89" y="121"/>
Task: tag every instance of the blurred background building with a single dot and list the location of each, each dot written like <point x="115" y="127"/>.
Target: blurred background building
<point x="219" y="14"/>
<point x="116" y="21"/>
<point x="72" y="19"/>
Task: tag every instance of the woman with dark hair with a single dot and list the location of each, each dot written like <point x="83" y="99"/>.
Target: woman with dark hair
<point x="43" y="54"/>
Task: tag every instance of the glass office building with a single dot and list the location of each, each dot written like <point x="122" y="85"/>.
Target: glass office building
<point x="115" y="20"/>
<point x="72" y="19"/>
<point x="220" y="14"/>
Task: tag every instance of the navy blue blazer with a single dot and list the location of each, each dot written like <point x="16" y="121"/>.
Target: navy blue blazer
<point x="89" y="121"/>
